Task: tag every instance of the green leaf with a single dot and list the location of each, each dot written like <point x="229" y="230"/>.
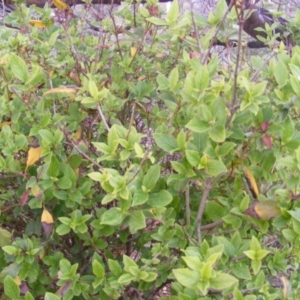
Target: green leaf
<point x="139" y="197"/>
<point x="160" y="199"/>
<point x="173" y="78"/>
<point x="51" y="296"/>
<point x="11" y="289"/>
<point x="63" y="229"/>
<point x="157" y="21"/>
<point x="19" y="68"/>
<point x="125" y="279"/>
<point x="64" y="183"/>
<point x="173" y="13"/>
<point x="197" y="126"/>
<point x="53" y="169"/>
<point x="5" y="237"/>
<point x="151" y="277"/>
<point x="215" y="167"/>
<point x="129" y="262"/>
<point x="98" y="270"/>
<point x="281" y="73"/>
<point x="222" y="281"/>
<point x="137" y="221"/>
<point x="193" y="157"/>
<point x="114" y="267"/>
<point x="47" y="136"/>
<point x="295" y="213"/>
<point x="151" y="177"/>
<point x="165" y="142"/>
<point x="112" y="217"/>
<point x="187" y="278"/>
<point x="202" y="78"/>
<point x="28" y="296"/>
<point x="217" y="134"/>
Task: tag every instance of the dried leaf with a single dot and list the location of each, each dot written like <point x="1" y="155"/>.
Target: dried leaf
<point x="47" y="222"/>
<point x="37" y="23"/>
<point x="63" y="289"/>
<point x="265" y="210"/>
<point x="133" y="51"/>
<point x="264" y="126"/>
<point x="286" y="287"/>
<point x="34" y="155"/>
<point x="251" y="183"/>
<point x="61" y="89"/>
<point x="61" y="5"/>
<point x="37" y="192"/>
<point x="47" y="228"/>
<point x="24" y="197"/>
<point x="267" y="140"/>
<point x="46" y="217"/>
<point x="5" y="123"/>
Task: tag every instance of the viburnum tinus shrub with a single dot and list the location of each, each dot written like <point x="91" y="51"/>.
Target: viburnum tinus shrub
<point x="136" y="165"/>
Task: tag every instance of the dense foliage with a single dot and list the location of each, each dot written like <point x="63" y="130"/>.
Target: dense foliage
<point x="138" y="161"/>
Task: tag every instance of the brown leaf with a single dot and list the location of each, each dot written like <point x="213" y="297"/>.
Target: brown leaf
<point x="47" y="228"/>
<point x="265" y="210"/>
<point x="24" y="197"/>
<point x="251" y="182"/>
<point x="267" y="140"/>
<point x="37" y="192"/>
<point x="264" y="126"/>
<point x="23" y="288"/>
<point x="47" y="222"/>
<point x="34" y="155"/>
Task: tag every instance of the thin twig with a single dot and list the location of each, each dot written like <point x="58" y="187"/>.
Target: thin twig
<point x="187" y="205"/>
<point x="208" y="187"/>
<point x="212" y="225"/>
<point x="102" y="117"/>
<point x="212" y="41"/>
<point x="266" y="61"/>
<point x="140" y="166"/>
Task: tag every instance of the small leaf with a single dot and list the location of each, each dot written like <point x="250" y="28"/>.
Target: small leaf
<point x="251" y="182"/>
<point x="47" y="222"/>
<point x="34" y="155"/>
<point x="160" y="199"/>
<point x="24" y="198"/>
<point x="5" y="237"/>
<point x="265" y="210"/>
<point x="61" y="5"/>
<point x="222" y="281"/>
<point x="62" y="89"/>
<point x="37" y="23"/>
<point x="11" y="288"/>
<point x="215" y="167"/>
<point x="267" y="140"/>
<point x="112" y="217"/>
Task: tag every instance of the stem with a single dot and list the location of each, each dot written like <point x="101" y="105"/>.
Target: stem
<point x="208" y="187"/>
<point x="187" y="205"/>
<point x="102" y="117"/>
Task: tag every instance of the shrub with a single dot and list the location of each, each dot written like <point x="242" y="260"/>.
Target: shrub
<point x="134" y="161"/>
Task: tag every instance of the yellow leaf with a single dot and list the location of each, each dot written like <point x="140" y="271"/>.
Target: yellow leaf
<point x="61" y="5"/>
<point x="133" y="51"/>
<point x="17" y="280"/>
<point x="62" y="89"/>
<point x="251" y="183"/>
<point x="46" y="217"/>
<point x="34" y="155"/>
<point x="5" y="123"/>
<point x="286" y="287"/>
<point x="265" y="210"/>
<point x="37" y="23"/>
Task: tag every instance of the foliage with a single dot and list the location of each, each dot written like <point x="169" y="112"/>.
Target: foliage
<point x="138" y="160"/>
